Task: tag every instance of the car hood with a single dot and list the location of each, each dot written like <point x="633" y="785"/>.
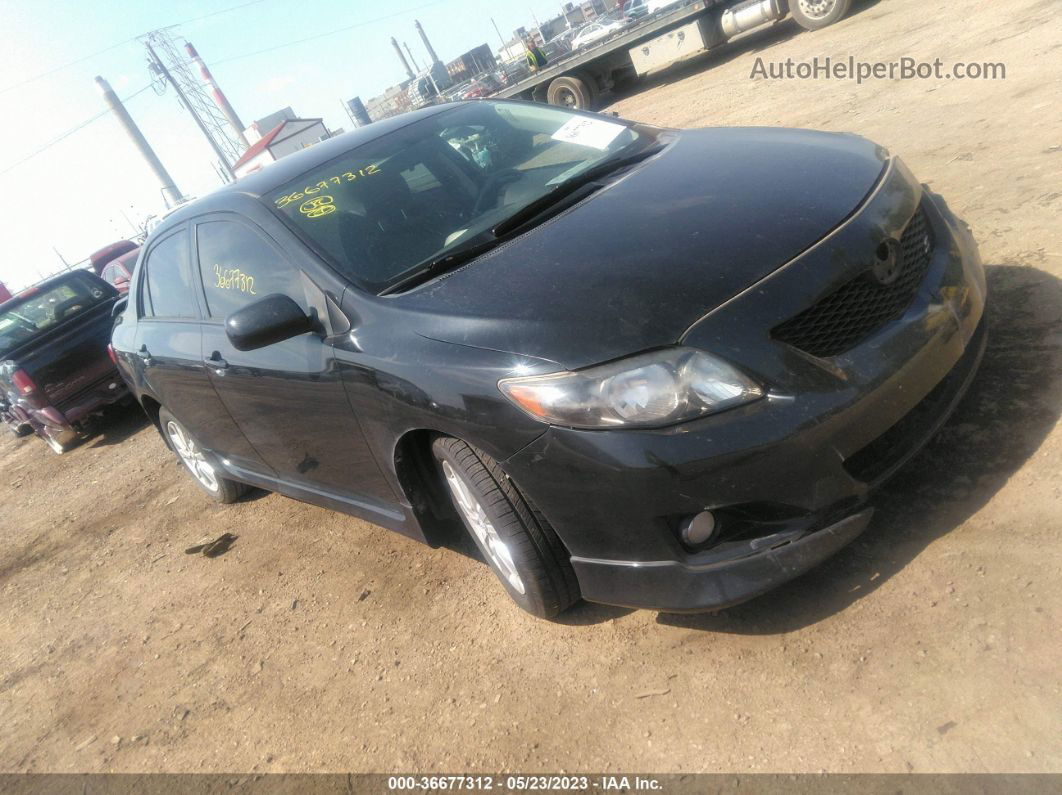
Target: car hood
<point x="637" y="263"/>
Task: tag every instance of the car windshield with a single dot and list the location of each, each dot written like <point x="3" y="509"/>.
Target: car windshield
<point x="30" y="314"/>
<point x="385" y="207"/>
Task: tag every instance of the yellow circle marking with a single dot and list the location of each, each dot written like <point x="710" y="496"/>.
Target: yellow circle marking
<point x="317" y="206"/>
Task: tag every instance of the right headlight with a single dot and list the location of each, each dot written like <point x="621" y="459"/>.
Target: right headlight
<point x="645" y="391"/>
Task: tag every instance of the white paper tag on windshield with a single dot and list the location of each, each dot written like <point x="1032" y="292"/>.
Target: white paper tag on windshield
<point x="590" y="132"/>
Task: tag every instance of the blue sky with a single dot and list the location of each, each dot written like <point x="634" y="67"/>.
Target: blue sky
<point x="73" y="195"/>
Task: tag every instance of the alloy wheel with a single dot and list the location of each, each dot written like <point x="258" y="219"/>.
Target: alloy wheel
<point x="567" y="98"/>
<point x="192" y="456"/>
<point x="479" y="523"/>
<point x="816" y="9"/>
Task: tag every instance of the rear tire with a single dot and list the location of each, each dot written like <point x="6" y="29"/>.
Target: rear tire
<point x="190" y="454"/>
<point x="517" y="542"/>
<point x="570" y="92"/>
<point x="816" y="14"/>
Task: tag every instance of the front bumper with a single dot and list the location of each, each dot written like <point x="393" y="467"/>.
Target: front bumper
<point x="734" y="572"/>
<point x="791" y="472"/>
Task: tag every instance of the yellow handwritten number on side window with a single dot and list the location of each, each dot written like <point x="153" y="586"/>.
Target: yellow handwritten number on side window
<point x="233" y="279"/>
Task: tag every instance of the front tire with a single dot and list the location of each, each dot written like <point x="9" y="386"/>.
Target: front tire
<point x="517" y="542"/>
<point x="190" y="454"/>
<point x="816" y="14"/>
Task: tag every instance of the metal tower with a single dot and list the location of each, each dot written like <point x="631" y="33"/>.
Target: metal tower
<point x="168" y="59"/>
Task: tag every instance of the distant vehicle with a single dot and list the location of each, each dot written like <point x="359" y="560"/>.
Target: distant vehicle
<point x="483" y="86"/>
<point x="118" y="272"/>
<point x="595" y="31"/>
<point x="654" y="35"/>
<point x="154" y="220"/>
<point x="56" y="373"/>
<point x="636" y="9"/>
<point x="652" y="6"/>
<point x="99" y="259"/>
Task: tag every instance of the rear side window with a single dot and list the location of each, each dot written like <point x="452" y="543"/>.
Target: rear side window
<point x="239" y="266"/>
<point x="167" y="290"/>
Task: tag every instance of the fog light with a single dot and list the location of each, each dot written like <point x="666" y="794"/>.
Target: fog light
<point x="699" y="529"/>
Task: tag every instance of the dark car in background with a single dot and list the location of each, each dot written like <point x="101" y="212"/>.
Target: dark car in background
<point x="648" y="367"/>
<point x="56" y="372"/>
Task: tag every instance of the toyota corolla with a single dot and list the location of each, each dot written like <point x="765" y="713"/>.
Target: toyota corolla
<point x="647" y="367"/>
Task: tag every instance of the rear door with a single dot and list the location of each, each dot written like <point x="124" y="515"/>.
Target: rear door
<point x="168" y="347"/>
<point x="288" y="398"/>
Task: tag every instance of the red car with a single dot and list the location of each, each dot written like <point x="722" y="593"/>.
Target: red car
<point x="119" y="271"/>
<point x="100" y="258"/>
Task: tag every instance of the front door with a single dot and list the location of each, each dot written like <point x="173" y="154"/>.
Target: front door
<point x="168" y="347"/>
<point x="287" y="398"/>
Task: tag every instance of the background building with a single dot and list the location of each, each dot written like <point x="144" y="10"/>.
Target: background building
<point x="476" y="61"/>
<point x="290" y="135"/>
<point x="267" y="123"/>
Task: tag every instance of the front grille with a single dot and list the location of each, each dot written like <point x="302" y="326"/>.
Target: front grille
<point x="914" y="429"/>
<point x="855" y="310"/>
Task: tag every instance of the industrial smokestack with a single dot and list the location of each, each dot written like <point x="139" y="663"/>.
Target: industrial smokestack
<point x="427" y="44"/>
<point x="219" y="96"/>
<point x="170" y="194"/>
<point x="405" y="63"/>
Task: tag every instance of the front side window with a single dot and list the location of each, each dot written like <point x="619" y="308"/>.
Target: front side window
<point x="239" y="266"/>
<point x="167" y="290"/>
<point x="385" y="207"/>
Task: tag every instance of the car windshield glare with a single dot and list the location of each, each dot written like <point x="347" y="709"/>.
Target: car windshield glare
<point x="385" y="207"/>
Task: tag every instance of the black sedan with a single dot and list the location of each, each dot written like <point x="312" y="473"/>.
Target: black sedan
<point x="646" y="367"/>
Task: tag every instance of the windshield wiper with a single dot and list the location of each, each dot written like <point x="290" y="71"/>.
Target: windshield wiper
<point x="444" y="262"/>
<point x="504" y="229"/>
<point x="568" y="187"/>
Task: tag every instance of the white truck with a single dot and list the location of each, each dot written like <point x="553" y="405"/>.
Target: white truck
<point x="676" y="31"/>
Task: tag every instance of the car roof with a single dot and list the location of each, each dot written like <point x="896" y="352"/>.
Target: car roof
<point x="291" y="166"/>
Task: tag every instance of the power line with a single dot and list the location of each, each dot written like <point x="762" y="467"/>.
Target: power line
<point x="104" y="112"/>
<point x="332" y="32"/>
<point x="131" y="39"/>
<point x="69" y="132"/>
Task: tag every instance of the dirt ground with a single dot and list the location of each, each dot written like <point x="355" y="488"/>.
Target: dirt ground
<point x="323" y="643"/>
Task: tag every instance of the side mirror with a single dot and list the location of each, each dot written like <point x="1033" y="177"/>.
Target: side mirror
<point x="119" y="306"/>
<point x="268" y="320"/>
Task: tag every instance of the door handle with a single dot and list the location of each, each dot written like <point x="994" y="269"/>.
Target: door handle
<point x="216" y="362"/>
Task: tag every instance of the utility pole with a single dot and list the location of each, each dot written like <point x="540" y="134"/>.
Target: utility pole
<point x="505" y="46"/>
<point x="170" y="194"/>
<point x="62" y="259"/>
<point x="160" y="68"/>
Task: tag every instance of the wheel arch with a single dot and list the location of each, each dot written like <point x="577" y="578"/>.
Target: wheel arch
<point x="414" y="468"/>
<point x="152" y="408"/>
